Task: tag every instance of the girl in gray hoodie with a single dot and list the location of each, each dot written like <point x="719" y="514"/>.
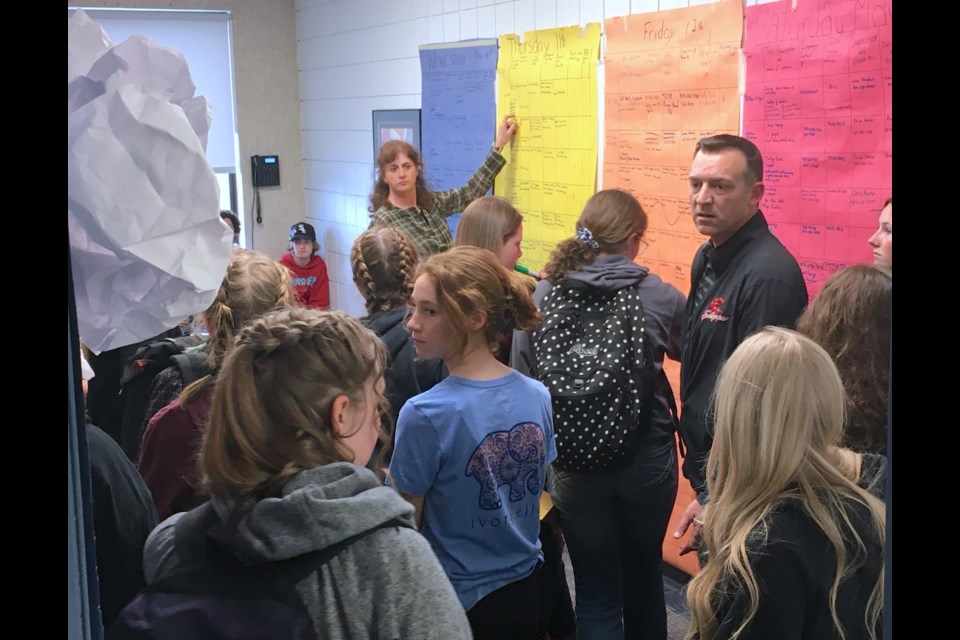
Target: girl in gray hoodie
<point x="295" y="417"/>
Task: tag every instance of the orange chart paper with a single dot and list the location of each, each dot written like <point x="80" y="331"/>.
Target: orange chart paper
<point x="549" y="82"/>
<point x="818" y="103"/>
<point x="671" y="78"/>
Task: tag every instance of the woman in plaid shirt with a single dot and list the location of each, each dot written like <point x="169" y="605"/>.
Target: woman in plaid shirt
<point x="402" y="199"/>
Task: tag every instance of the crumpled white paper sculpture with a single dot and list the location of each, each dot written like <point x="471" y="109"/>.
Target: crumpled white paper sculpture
<point x="147" y="245"/>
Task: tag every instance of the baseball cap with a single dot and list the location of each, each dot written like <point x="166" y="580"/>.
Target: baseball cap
<point x="303" y="230"/>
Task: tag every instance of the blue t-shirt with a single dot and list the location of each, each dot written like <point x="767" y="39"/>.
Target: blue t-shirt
<point x="478" y="450"/>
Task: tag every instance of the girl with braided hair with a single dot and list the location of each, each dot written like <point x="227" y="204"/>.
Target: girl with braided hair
<point x="384" y="263"/>
<point x="254" y="284"/>
<point x="471" y="453"/>
<point x="295" y="417"/>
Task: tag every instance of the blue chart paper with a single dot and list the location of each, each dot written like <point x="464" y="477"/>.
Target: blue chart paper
<point x="459" y="113"/>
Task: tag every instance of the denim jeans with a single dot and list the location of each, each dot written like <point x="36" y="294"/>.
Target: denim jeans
<point x="614" y="523"/>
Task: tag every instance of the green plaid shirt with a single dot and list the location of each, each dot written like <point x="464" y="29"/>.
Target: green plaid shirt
<point x="428" y="228"/>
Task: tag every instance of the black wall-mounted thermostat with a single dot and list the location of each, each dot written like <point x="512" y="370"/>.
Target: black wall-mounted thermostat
<point x="266" y="171"/>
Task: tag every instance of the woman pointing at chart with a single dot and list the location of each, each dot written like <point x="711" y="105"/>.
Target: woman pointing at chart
<point x="402" y="199"/>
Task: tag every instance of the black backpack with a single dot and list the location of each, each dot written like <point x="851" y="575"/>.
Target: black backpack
<point x="212" y="595"/>
<point x="187" y="353"/>
<point x="591" y="355"/>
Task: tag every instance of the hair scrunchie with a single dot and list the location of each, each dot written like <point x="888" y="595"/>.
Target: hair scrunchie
<point x="584" y="235"/>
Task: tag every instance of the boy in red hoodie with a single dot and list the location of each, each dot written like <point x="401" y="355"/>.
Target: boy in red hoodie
<point x="308" y="271"/>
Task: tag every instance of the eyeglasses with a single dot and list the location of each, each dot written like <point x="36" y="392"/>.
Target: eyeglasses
<point x="643" y="247"/>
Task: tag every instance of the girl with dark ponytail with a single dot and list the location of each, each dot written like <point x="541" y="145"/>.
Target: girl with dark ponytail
<point x="614" y="520"/>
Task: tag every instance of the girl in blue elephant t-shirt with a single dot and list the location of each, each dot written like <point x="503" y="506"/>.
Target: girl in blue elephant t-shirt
<point x="471" y="453"/>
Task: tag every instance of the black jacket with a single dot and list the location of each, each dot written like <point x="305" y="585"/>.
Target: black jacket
<point x="408" y="375"/>
<point x="123" y="517"/>
<point x="758" y="283"/>
<point x="795" y="569"/>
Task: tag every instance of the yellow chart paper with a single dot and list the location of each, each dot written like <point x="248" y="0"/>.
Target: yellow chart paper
<point x="549" y="82"/>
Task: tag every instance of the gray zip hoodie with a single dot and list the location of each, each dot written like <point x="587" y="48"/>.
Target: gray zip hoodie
<point x="387" y="585"/>
<point x="663" y="304"/>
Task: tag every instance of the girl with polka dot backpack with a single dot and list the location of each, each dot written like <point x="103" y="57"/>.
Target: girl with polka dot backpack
<point x="608" y="323"/>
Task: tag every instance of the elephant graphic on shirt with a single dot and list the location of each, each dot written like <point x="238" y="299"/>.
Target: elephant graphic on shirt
<point x="514" y="458"/>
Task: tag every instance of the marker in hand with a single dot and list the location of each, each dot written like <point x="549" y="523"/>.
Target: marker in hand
<point x="526" y="271"/>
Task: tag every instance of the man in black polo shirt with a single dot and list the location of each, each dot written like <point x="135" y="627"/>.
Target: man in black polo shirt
<point x="742" y="279"/>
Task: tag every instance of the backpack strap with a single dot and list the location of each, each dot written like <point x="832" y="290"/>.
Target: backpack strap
<point x="134" y="396"/>
<point x="643" y="362"/>
<point x="647" y="405"/>
<point x="149" y="355"/>
<point x="675" y="414"/>
<point x="192" y="365"/>
<point x="648" y="400"/>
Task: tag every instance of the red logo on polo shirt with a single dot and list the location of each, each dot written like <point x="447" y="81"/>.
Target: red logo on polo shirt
<point x="714" y="311"/>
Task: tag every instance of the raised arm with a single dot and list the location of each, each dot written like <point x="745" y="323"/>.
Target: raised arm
<point x="456" y="200"/>
<point x="508" y="127"/>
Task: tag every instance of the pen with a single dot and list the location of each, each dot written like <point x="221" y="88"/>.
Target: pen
<point x="526" y="271"/>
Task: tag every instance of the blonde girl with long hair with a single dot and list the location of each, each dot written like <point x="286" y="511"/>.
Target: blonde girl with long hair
<point x="795" y="546"/>
<point x="472" y="452"/>
<point x="295" y="417"/>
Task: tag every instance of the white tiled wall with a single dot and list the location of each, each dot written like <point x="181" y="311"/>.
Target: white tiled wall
<point x="359" y="55"/>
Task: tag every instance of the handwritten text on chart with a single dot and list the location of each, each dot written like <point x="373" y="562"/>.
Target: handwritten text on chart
<point x="458" y="116"/>
<point x="665" y="90"/>
<point x="549" y="82"/>
<point x="818" y="105"/>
